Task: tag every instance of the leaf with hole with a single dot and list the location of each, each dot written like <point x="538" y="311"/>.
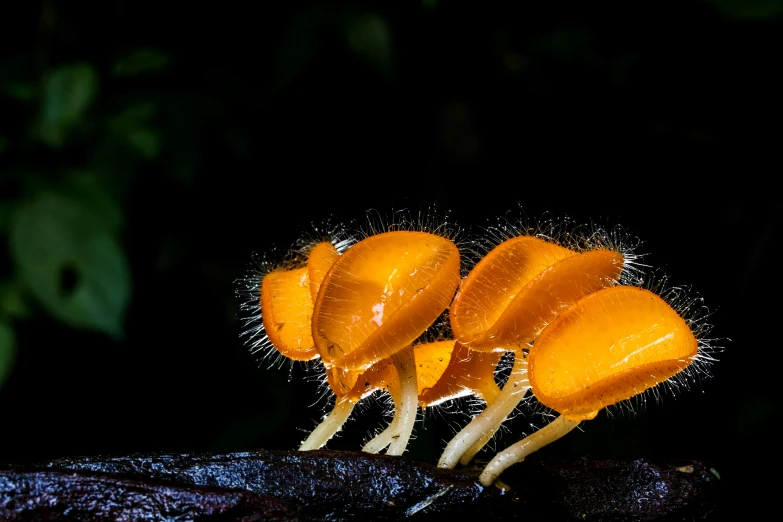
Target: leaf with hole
<point x="71" y="262"/>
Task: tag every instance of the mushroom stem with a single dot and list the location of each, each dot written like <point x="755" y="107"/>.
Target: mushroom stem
<point x="406" y="401"/>
<point x="381" y="440"/>
<point x="480" y="430"/>
<point x="329" y="426"/>
<point x="471" y="452"/>
<point x="517" y="452"/>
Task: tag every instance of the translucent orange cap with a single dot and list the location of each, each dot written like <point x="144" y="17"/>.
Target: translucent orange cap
<point x="381" y="294"/>
<point x="521" y="285"/>
<point x="287" y="303"/>
<point x="608" y="347"/>
<point x="431" y="360"/>
<point x="467" y="373"/>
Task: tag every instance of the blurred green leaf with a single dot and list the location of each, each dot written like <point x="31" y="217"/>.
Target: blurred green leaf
<point x="141" y="61"/>
<point x="132" y="118"/>
<point x="146" y="142"/>
<point x="369" y="36"/>
<point x="132" y="125"/>
<point x="87" y="188"/>
<point x="7" y="351"/>
<point x="429" y="4"/>
<point x="71" y="262"/>
<point x="12" y="302"/>
<point x="3" y="143"/>
<point x="67" y="93"/>
<point x="750" y="9"/>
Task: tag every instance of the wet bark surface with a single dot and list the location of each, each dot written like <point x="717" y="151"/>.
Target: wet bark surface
<point x="335" y="485"/>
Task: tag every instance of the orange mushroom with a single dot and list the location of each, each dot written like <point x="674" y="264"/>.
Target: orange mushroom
<point x="580" y="341"/>
<point x="434" y="362"/>
<point x="445" y="370"/>
<point x="380" y="295"/>
<point x="467" y="373"/>
<point x="374" y="301"/>
<point x="505" y="302"/>
<point x="286" y="297"/>
<point x="607" y="347"/>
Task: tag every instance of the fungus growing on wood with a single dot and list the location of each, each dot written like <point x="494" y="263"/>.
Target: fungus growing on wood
<point x="607" y="347"/>
<point x="505" y="302"/>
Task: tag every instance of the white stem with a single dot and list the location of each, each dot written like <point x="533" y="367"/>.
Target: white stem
<point x="329" y="426"/>
<point x="409" y="401"/>
<point x="406" y="401"/>
<point x="517" y="452"/>
<point x="471" y="452"/>
<point x="383" y="439"/>
<point x="478" y="432"/>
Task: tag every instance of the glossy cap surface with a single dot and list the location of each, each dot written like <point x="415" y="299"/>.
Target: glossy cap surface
<point x="286" y="311"/>
<point x="431" y="360"/>
<point x="468" y="373"/>
<point x="381" y="294"/>
<point x="609" y="346"/>
<point x="521" y="285"/>
<point x="287" y="298"/>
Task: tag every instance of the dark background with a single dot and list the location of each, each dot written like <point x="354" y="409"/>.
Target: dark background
<point x="146" y="153"/>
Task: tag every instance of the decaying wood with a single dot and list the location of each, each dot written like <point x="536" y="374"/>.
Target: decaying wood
<point x="334" y="485"/>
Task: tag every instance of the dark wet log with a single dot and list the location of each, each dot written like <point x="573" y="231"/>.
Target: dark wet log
<point x="334" y="485"/>
<point x="49" y="494"/>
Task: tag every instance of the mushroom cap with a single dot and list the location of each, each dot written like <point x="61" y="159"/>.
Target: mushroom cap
<point x="287" y="298"/>
<point x="286" y="311"/>
<point x="319" y="261"/>
<point x="607" y="347"/>
<point x="431" y="360"/>
<point x="522" y="285"/>
<point x="468" y="373"/>
<point x="381" y="294"/>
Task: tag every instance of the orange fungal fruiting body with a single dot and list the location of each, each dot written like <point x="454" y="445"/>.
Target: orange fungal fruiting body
<point x="608" y="347"/>
<point x="431" y="360"/>
<point x="581" y="343"/>
<point x="321" y="258"/>
<point x="381" y="295"/>
<point x="467" y="373"/>
<point x="287" y="298"/>
<point x="505" y="302"/>
<point x="371" y="303"/>
<point x="287" y="309"/>
<point x="521" y="285"/>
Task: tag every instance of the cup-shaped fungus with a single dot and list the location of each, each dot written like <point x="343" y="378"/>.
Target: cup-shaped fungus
<point x="380" y="295"/>
<point x="287" y="298"/>
<point x="607" y="347"/>
<point x="444" y="371"/>
<point x="505" y="302"/>
<point x="467" y="373"/>
<point x="521" y="285"/>
<point x="375" y="300"/>
<point x="430" y="360"/>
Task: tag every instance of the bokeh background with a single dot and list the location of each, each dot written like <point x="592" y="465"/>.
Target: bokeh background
<point x="147" y="152"/>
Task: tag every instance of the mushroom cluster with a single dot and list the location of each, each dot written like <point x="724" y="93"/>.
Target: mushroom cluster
<point x="582" y="334"/>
